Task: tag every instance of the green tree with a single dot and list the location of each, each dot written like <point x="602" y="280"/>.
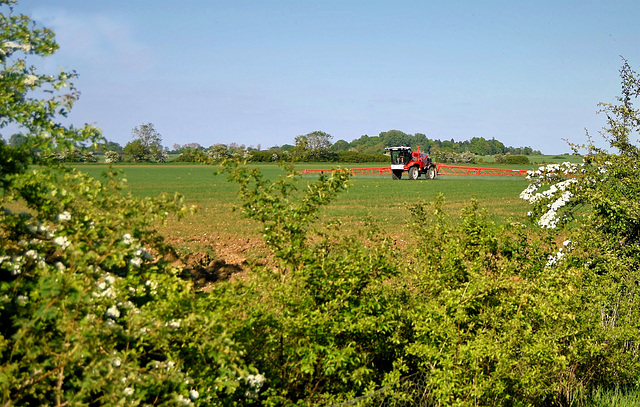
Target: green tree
<point x="17" y="139"/>
<point x="109" y="146"/>
<point x="314" y="146"/>
<point x="340" y="145"/>
<point x="146" y="144"/>
<point x="393" y="138"/>
<point x="480" y="146"/>
<point x="218" y="152"/>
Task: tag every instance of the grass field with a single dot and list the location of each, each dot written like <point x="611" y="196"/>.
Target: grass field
<point x="217" y="227"/>
<point x="380" y="197"/>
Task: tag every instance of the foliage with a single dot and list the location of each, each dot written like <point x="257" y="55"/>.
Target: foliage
<point x="511" y="159"/>
<point x="481" y="305"/>
<point x="319" y="327"/>
<point x="218" y="152"/>
<point x="391" y="138"/>
<point x="263" y="156"/>
<point x="444" y="156"/>
<point x="355" y="157"/>
<point x="90" y="313"/>
<point x="493" y="315"/>
<point x="597" y="206"/>
<point x="285" y="221"/>
<point x="314" y="147"/>
<point x="111" y="157"/>
<point x="192" y="155"/>
<point x="74" y="156"/>
<point x="146" y="144"/>
<point x="93" y="313"/>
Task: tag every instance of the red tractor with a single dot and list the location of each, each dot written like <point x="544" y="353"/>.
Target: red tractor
<point x="416" y="163"/>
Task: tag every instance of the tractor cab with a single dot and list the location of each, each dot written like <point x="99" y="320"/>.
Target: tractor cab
<point x="400" y="155"/>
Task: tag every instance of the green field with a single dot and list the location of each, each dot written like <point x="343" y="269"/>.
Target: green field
<point x="377" y="197"/>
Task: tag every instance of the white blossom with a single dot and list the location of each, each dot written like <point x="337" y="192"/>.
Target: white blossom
<point x="255" y="380"/>
<point x="143" y="253"/>
<point x="10" y="46"/>
<point x="557" y="195"/>
<point x="151" y="285"/>
<point x="555" y="258"/>
<point x="110" y="279"/>
<point x="549" y="220"/>
<point x="136" y="262"/>
<point x="32" y="254"/>
<point x="62" y="242"/>
<point x="30" y="80"/>
<point x="109" y="292"/>
<point x="112" y="312"/>
<point x="128" y="391"/>
<point x="174" y="324"/>
<point x="182" y="400"/>
<point x="193" y="394"/>
<point x="127" y="239"/>
<point x="64" y="216"/>
<point x="116" y="362"/>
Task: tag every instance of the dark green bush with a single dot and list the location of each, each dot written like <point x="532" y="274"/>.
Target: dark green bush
<point x="356" y="157"/>
<point x="516" y="159"/>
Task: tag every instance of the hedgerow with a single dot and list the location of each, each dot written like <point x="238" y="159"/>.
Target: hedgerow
<point x="92" y="312"/>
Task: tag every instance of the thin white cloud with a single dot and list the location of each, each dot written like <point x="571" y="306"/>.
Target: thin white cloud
<point x="102" y="42"/>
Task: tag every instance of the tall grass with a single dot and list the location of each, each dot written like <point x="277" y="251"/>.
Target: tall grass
<point x="614" y="398"/>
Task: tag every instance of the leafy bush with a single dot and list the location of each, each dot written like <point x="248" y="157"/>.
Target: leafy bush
<point x="355" y="157"/>
<point x="596" y="206"/>
<point x="321" y="326"/>
<point x="192" y="155"/>
<point x="511" y="159"/>
<point x="516" y="159"/>
<point x="111" y="157"/>
<point x="93" y="313"/>
<point x="90" y="313"/>
<point x="445" y="156"/>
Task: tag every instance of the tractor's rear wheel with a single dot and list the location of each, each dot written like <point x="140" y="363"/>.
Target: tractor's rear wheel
<point x="413" y="172"/>
<point x="396" y="174"/>
<point x="431" y="173"/>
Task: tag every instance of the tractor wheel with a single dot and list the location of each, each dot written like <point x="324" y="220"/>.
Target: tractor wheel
<point x="431" y="173"/>
<point x="396" y="174"/>
<point x="413" y="172"/>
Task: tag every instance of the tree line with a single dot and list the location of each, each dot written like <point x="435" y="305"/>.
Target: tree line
<point x="146" y="146"/>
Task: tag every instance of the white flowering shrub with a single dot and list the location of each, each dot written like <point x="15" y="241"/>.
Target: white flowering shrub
<point x="90" y="312"/>
<point x="111" y="157"/>
<point x="86" y="295"/>
<point x="594" y="208"/>
<point x="551" y="189"/>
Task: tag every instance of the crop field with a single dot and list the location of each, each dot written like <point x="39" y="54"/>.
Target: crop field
<point x="217" y="228"/>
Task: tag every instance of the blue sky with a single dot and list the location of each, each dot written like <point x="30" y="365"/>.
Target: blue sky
<point x="529" y="73"/>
